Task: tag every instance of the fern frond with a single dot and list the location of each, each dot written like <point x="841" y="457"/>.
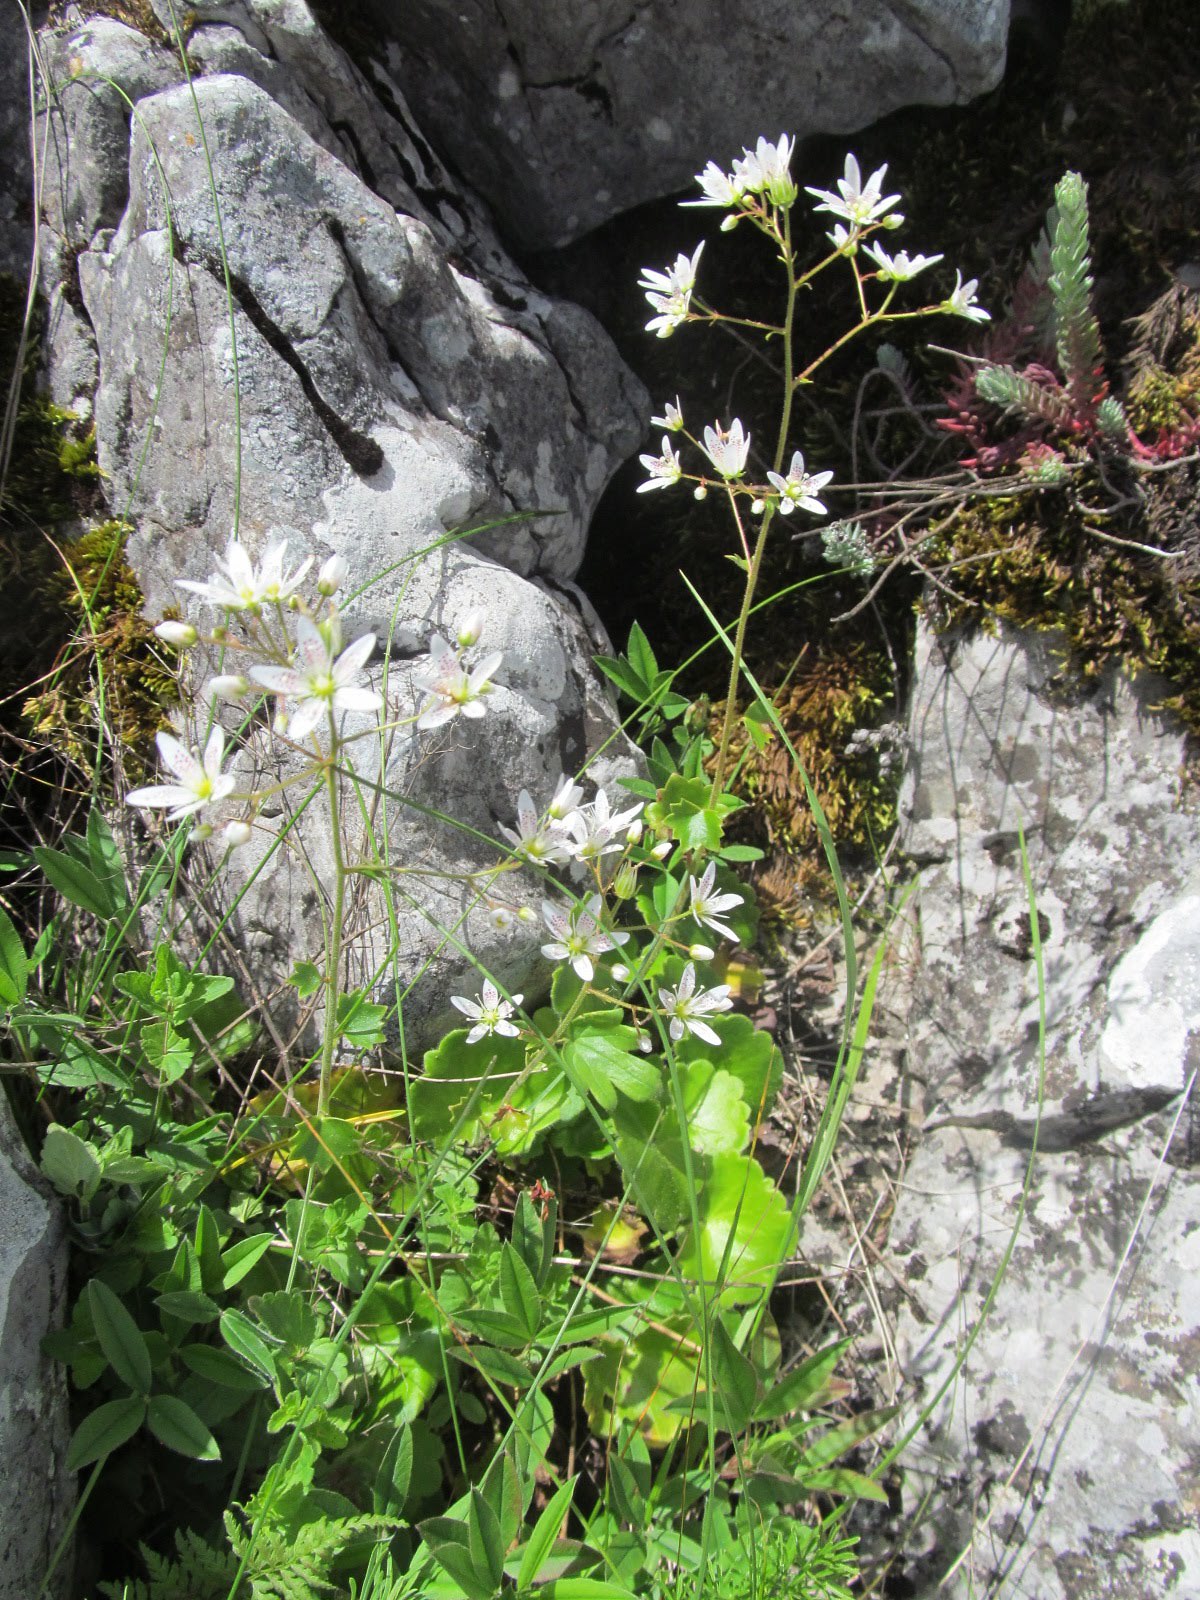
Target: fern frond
<point x="1077" y="333"/>
<point x="199" y="1573"/>
<point x="1005" y="386"/>
<point x="295" y="1565"/>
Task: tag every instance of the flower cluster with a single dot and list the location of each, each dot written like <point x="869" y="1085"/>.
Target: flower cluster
<point x="295" y="654"/>
<point x="570" y="831"/>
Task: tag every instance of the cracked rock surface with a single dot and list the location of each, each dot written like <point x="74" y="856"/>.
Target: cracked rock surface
<point x="567" y="115"/>
<point x="373" y="374"/>
<point x="35" y="1492"/>
<point x="1063" y="1458"/>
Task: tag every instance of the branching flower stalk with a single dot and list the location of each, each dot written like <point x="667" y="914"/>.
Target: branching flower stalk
<point x="760" y="190"/>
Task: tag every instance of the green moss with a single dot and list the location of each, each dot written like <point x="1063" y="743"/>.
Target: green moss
<point x="75" y="638"/>
<point x="1032" y="561"/>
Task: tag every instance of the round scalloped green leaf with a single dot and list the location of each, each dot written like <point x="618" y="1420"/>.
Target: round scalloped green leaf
<point x="462" y="1077"/>
<point x="718" y="1116"/>
<point x="739" y="1203"/>
<point x="749" y="1053"/>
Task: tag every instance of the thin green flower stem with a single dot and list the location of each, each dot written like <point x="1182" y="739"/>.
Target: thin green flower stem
<point x="333" y="955"/>
<point x="760" y="546"/>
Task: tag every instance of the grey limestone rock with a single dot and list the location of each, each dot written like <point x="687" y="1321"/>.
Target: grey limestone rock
<point x="35" y="1492"/>
<point x="1063" y="1458"/>
<point x="567" y="115"/>
<point x="373" y="375"/>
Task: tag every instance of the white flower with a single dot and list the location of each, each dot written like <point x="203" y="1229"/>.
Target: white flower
<point x="180" y="634"/>
<point x="720" y="188"/>
<point x="595" y="828"/>
<point x="707" y="908"/>
<point x="333" y="575"/>
<point x="671" y="419"/>
<point x="317" y="684"/>
<point x="566" y="798"/>
<point x="670" y="292"/>
<point x="201" y="781"/>
<point x="687" y="1007"/>
<point x="537" y="843"/>
<point x="764" y="170"/>
<point x="861" y="204"/>
<point x="501" y="919"/>
<point x="239" y="587"/>
<point x="230" y="687"/>
<point x="960" y="302"/>
<point x="578" y="936"/>
<point x="469" y="628"/>
<point x="799" y="488"/>
<point x="901" y="267"/>
<point x="452" y="690"/>
<point x="727" y="449"/>
<point x="664" y="470"/>
<point x="489" y="1013"/>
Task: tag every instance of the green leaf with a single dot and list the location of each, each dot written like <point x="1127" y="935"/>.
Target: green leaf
<point x="360" y="1021"/>
<point x="718" y="1117"/>
<point x="306" y="979"/>
<point x="584" y="1589"/>
<point x="169" y="1053"/>
<point x="650" y="1150"/>
<point x="219" y="1367"/>
<point x="842" y="1480"/>
<point x="734" y="1380"/>
<point x="517" y="1286"/>
<point x="640" y="656"/>
<point x="601" y="1057"/>
<point x="501" y="1488"/>
<point x="748" y="1054"/>
<point x="805" y="1388"/>
<point x="390" y="1490"/>
<point x="14" y="964"/>
<point x="746" y="1231"/>
<point x="104" y="857"/>
<point x="448" y="1541"/>
<point x="545" y="1532"/>
<point x="246" y="1342"/>
<point x="741" y="852"/>
<point x="70" y="1163"/>
<point x="619" y="671"/>
<point x="76" y="883"/>
<point x="189" y="1306"/>
<point x="104" y="1430"/>
<point x="688" y="811"/>
<point x="208" y="1249"/>
<point x="497" y="1327"/>
<point x="484" y="1541"/>
<point x="463" y="1080"/>
<point x="288" y="1317"/>
<point x="173" y="1423"/>
<point x="533" y="1236"/>
<point x="119" y="1337"/>
<point x="495" y="1364"/>
<point x="241" y="1258"/>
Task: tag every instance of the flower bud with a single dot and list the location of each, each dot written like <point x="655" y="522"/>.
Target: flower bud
<point x="644" y="1042"/>
<point x="634" y="831"/>
<point x="701" y="952"/>
<point x="620" y="972"/>
<point x="220" y="633"/>
<point x="230" y="687"/>
<point x="625" y="883"/>
<point x="663" y="849"/>
<point x="200" y="833"/>
<point x="332" y="575"/>
<point x="236" y="834"/>
<point x="280" y="724"/>
<point x="526" y="914"/>
<point x="331" y="631"/>
<point x="700" y="492"/>
<point x="758" y="507"/>
<point x="467" y="632"/>
<point x="180" y="634"/>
